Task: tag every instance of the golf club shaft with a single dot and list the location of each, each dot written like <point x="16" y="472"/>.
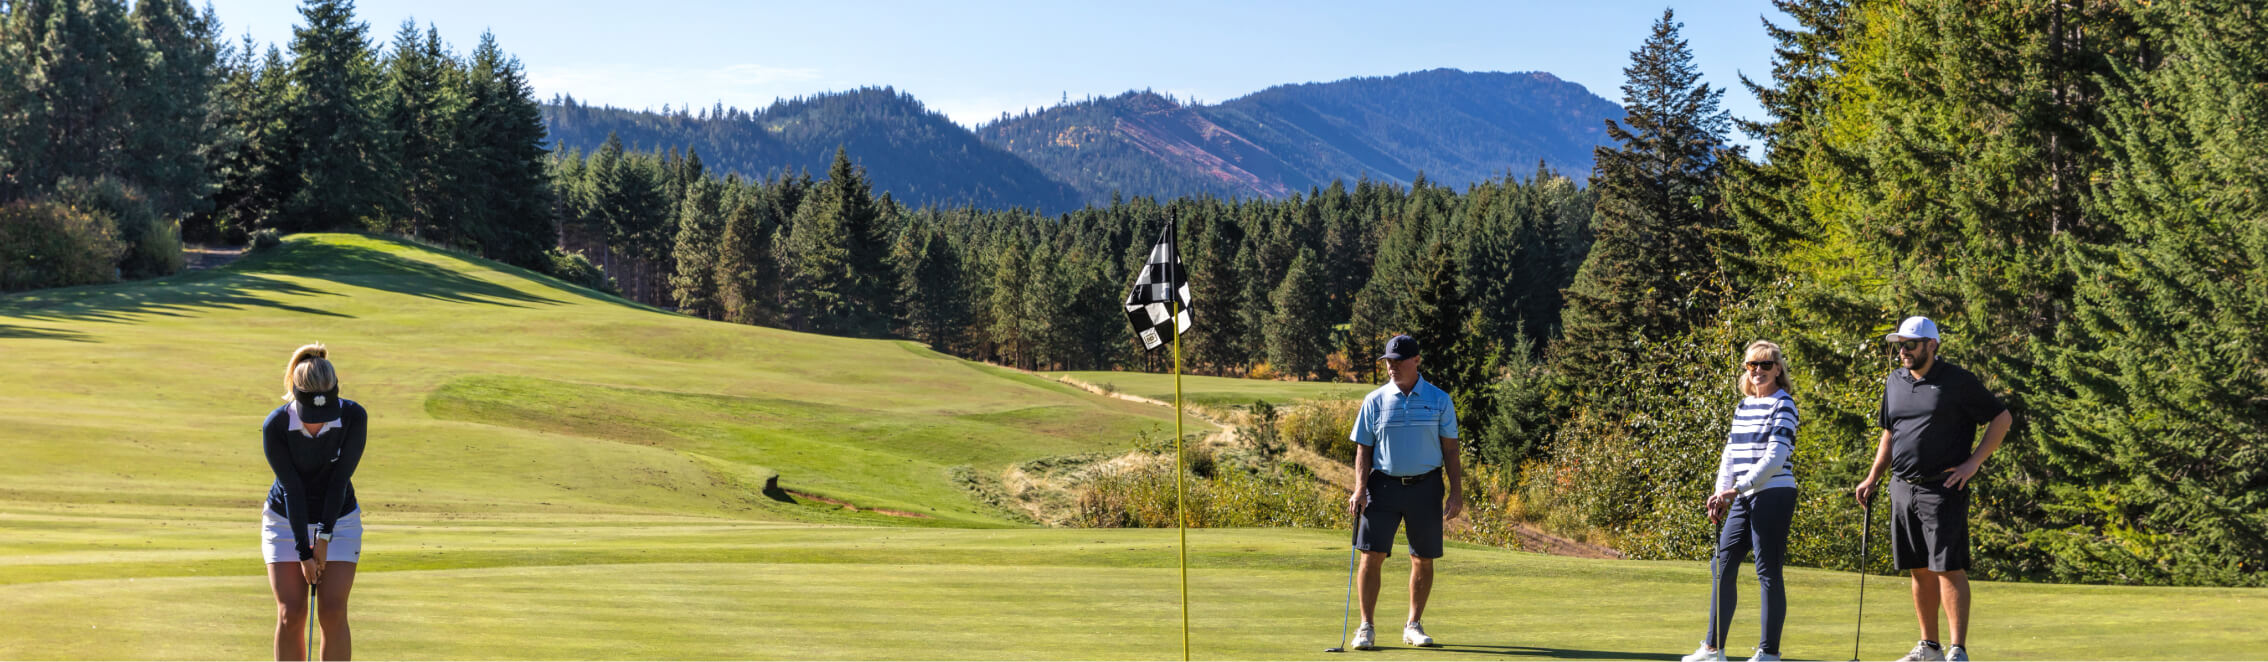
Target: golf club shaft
<point x="1348" y="604"/>
<point x="310" y="621"/>
<point x="1716" y="570"/>
<point x="1866" y="535"/>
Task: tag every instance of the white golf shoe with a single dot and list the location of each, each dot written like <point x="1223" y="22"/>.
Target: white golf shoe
<point x="1762" y="656"/>
<point x="1414" y="635"/>
<point x="1957" y="654"/>
<point x="1704" y="654"/>
<point x="1923" y="653"/>
<point x="1365" y="638"/>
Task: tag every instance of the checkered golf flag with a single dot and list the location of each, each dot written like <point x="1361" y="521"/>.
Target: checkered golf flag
<point x="1147" y="300"/>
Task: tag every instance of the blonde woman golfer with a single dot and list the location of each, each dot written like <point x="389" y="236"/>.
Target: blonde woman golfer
<point x="312" y="530"/>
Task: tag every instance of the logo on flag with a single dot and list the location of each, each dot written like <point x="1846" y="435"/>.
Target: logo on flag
<point x="1158" y="303"/>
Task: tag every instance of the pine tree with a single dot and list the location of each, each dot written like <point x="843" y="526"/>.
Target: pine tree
<point x="64" y="105"/>
<point x="1251" y="311"/>
<point x="933" y="306"/>
<point x="2159" y="442"/>
<point x="1005" y="310"/>
<point x="700" y="226"/>
<point x="835" y="273"/>
<point x="1653" y="271"/>
<point x="343" y="152"/>
<point x="1439" y="317"/>
<point x="423" y="102"/>
<point x="1299" y="330"/>
<point x="508" y="137"/>
<point x="167" y="149"/>
<point x="251" y="150"/>
<point x="744" y="260"/>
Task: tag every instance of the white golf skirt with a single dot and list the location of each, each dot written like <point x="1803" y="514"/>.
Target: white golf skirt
<point x="276" y="540"/>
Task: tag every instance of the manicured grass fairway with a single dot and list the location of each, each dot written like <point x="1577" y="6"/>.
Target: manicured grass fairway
<point x="557" y="475"/>
<point x="1218" y="391"/>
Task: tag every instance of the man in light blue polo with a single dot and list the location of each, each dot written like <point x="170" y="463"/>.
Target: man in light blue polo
<point x="1407" y="431"/>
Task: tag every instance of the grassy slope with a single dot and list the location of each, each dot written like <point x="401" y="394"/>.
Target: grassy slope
<point x="1218" y="391"/>
<point x="556" y="475"/>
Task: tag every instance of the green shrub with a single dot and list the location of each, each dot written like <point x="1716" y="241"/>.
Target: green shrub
<point x="45" y="244"/>
<point x="573" y="267"/>
<point x="1320" y="426"/>
<point x="153" y="244"/>
<point x="266" y="239"/>
<point x="1143" y="497"/>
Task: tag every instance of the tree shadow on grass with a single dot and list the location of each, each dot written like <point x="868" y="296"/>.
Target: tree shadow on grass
<point x="13" y="331"/>
<point x="379" y="270"/>
<point x="177" y="297"/>
<point x="1539" y="652"/>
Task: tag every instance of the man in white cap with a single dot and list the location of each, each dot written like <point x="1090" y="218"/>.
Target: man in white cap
<point x="1929" y="417"/>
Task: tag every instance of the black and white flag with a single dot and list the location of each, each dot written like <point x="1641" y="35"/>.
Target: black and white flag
<point x="1161" y="284"/>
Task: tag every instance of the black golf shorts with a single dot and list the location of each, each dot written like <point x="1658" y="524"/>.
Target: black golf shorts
<point x="1929" y="525"/>
<point x="1392" y="503"/>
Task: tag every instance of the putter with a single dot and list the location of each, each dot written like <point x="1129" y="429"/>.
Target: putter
<point x="1716" y="569"/>
<point x="1349" y="604"/>
<point x="310" y="621"/>
<point x="1866" y="531"/>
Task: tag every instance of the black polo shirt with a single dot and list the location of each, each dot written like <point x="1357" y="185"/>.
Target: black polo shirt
<point x="1933" y="421"/>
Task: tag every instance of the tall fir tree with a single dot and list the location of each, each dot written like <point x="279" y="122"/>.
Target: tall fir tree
<point x="932" y="304"/>
<point x="423" y="87"/>
<point x="700" y="226"/>
<point x="343" y="154"/>
<point x="1653" y="270"/>
<point x="2162" y="439"/>
<point x="1299" y="327"/>
<point x="744" y="267"/>
<point x="835" y="274"/>
<point x="65" y="105"/>
<point x="503" y="127"/>
<point x="167" y="152"/>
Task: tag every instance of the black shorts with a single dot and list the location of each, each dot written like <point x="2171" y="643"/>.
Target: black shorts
<point x="1392" y="503"/>
<point x="1929" y="525"/>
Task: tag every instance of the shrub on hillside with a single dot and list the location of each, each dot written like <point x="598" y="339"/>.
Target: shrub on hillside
<point x="1319" y="425"/>
<point x="1143" y="497"/>
<point x="153" y="244"/>
<point x="573" y="267"/>
<point x="45" y="244"/>
<point x="266" y="239"/>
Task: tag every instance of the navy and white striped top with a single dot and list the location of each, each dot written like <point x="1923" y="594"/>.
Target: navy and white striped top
<point x="1758" y="450"/>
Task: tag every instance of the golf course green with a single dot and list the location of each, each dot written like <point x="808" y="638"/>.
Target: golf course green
<point x="554" y="473"/>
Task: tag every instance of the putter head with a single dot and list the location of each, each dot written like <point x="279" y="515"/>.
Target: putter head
<point x="1334" y="649"/>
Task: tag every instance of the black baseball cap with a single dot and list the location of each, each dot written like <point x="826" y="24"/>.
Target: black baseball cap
<point x="318" y="406"/>
<point x="1401" y="347"/>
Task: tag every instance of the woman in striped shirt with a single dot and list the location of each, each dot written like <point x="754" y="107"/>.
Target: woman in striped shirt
<point x="1755" y="498"/>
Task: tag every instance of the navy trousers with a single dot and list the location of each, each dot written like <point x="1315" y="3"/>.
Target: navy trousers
<point x="1756" y="523"/>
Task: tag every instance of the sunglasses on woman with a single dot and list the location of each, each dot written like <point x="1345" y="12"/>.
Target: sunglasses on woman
<point x="1762" y="365"/>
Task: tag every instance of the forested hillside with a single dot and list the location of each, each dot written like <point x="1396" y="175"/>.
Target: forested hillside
<point x="914" y="154"/>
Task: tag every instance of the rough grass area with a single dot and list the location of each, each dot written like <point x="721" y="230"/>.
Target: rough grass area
<point x="1216" y="391"/>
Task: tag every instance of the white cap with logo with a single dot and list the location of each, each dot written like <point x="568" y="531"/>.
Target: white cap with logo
<point x="1913" y="328"/>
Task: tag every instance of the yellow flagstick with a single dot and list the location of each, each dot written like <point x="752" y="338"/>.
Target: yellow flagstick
<point x="1180" y="503"/>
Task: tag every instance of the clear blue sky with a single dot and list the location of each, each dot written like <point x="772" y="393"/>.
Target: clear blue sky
<point x="975" y="60"/>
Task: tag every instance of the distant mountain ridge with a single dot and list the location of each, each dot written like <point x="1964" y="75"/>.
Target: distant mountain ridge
<point x="1454" y="127"/>
<point x="915" y="154"/>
